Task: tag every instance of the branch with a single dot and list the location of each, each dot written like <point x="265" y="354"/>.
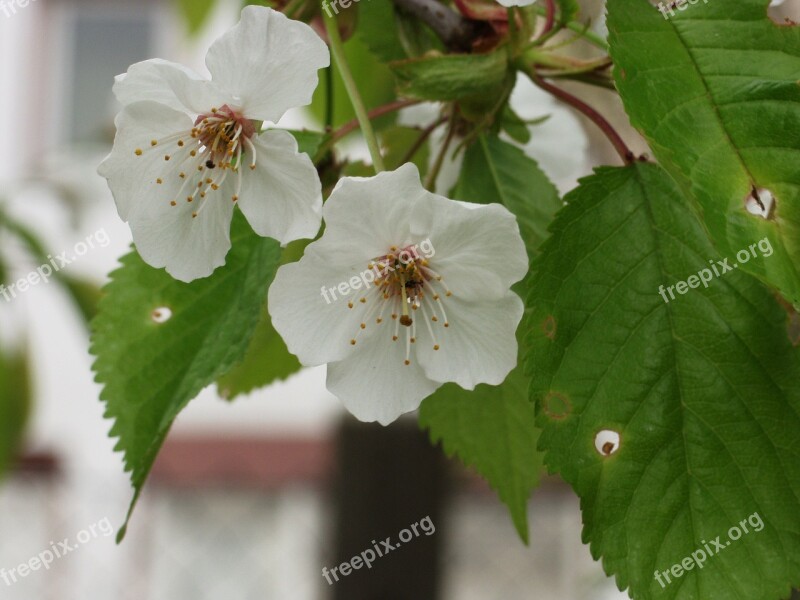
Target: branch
<point x="455" y="31"/>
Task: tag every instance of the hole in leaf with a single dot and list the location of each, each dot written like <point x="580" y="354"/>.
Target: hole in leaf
<point x="557" y="406"/>
<point x="778" y="14"/>
<point x="607" y="442"/>
<point x="760" y="202"/>
<point x="161" y="315"/>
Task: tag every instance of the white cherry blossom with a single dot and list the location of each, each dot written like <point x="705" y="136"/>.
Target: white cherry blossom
<point x="406" y="290"/>
<point x="188" y="149"/>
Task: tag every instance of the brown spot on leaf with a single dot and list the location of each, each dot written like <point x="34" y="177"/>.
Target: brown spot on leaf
<point x="556" y="406"/>
<point x="792" y="320"/>
<point x="549" y="327"/>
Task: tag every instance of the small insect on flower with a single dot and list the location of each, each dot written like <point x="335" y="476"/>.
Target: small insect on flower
<point x="189" y="149"/>
<point x="415" y="292"/>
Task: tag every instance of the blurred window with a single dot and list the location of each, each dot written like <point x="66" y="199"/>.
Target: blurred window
<point x="99" y="42"/>
<point x="104" y="46"/>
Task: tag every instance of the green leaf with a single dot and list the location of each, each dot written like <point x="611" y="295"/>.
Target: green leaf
<point x="378" y="30"/>
<point x="308" y="142"/>
<point x="267" y="360"/>
<point x="195" y="13"/>
<point x="567" y="10"/>
<point x="416" y="37"/>
<point x="715" y="91"/>
<point x="399" y="141"/>
<point x="15" y="405"/>
<point x="515" y="126"/>
<point x="491" y="429"/>
<point x="150" y="371"/>
<point x="495" y="171"/>
<point x="358" y="169"/>
<point x="453" y="76"/>
<point x="275" y="4"/>
<point x="704" y="392"/>
<point x="378" y="88"/>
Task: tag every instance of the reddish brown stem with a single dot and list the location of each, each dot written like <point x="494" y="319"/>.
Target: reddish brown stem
<point x="616" y="140"/>
<point x="550" y="18"/>
<point x="373" y="114"/>
<point x="422" y="139"/>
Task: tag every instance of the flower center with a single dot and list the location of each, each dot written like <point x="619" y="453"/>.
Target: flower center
<point x="203" y="157"/>
<point x="408" y="288"/>
<point x="223" y="134"/>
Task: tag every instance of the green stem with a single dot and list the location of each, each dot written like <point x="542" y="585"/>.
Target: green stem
<point x="293" y="7"/>
<point x="337" y="49"/>
<point x="329" y="99"/>
<point x="577" y="27"/>
<point x="595" y="79"/>
<point x="512" y="26"/>
<point x="543" y="58"/>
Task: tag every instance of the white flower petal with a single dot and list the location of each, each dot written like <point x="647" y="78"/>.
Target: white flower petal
<point x="190" y="248"/>
<point x="166" y="235"/>
<point x="479" y="253"/>
<point x="132" y="178"/>
<point x="317" y="325"/>
<point x="479" y="346"/>
<point x="282" y="197"/>
<point x="510" y="3"/>
<point x="170" y="84"/>
<point x="269" y="62"/>
<point x="366" y="216"/>
<point x="478" y="248"/>
<point x="374" y="384"/>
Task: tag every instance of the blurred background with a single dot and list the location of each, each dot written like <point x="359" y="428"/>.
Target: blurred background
<point x="249" y="500"/>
